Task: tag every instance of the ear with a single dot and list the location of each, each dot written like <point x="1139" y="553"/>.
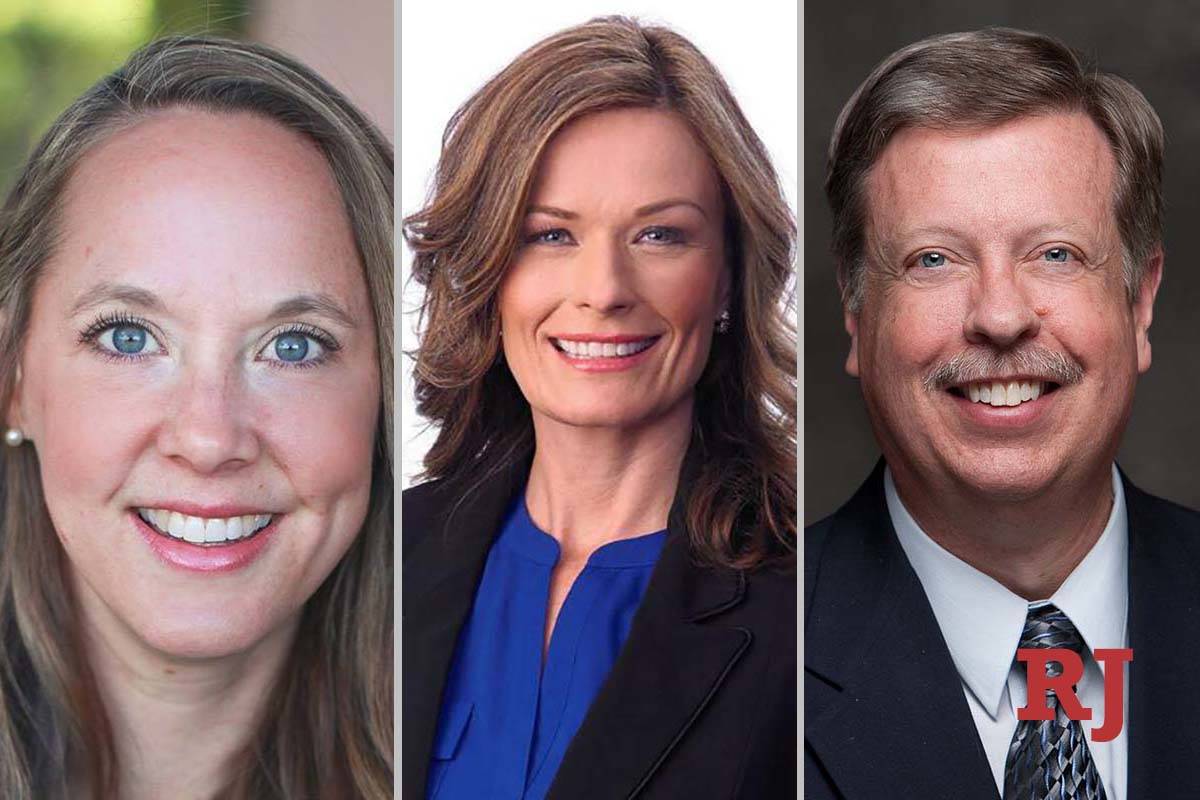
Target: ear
<point x="851" y="320"/>
<point x="1143" y="307"/>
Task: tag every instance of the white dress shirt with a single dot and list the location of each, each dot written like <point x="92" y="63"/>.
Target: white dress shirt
<point x="982" y="621"/>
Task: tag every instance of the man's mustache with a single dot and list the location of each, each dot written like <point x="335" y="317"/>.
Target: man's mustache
<point x="1032" y="361"/>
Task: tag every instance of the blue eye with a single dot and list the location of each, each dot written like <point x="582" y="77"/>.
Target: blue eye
<point x="932" y="260"/>
<point x="291" y="347"/>
<point x="129" y="339"/>
<point x="299" y="348"/>
<point x="553" y="236"/>
<point x="662" y="235"/>
<point x="1057" y="254"/>
<point x="121" y="338"/>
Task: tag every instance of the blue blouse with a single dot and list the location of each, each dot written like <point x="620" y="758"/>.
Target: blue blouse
<point x="506" y="718"/>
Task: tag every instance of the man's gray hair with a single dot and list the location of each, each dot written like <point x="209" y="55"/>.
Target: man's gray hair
<point x="981" y="79"/>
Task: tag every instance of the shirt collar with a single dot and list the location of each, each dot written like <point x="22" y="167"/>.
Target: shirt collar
<point x="981" y="620"/>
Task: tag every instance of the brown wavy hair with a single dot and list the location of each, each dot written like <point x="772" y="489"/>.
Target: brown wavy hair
<point x="326" y="730"/>
<point x="741" y="507"/>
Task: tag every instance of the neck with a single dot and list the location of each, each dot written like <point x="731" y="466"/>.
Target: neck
<point x="589" y="486"/>
<point x="1029" y="545"/>
<point x="178" y="723"/>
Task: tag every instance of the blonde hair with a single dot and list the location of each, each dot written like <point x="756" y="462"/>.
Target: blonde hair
<point x="327" y="728"/>
<point x="741" y="508"/>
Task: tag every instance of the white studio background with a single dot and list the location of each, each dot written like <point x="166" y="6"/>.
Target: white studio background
<point x="449" y="48"/>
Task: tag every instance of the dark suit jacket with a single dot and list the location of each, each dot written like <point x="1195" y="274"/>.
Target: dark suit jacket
<point x="885" y="714"/>
<point x="701" y="702"/>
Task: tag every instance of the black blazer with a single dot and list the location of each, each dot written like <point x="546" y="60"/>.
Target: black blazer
<point x="700" y="703"/>
<point x="885" y="714"/>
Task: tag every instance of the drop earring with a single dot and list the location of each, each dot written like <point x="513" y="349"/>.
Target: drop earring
<point x="723" y="320"/>
<point x="14" y="437"/>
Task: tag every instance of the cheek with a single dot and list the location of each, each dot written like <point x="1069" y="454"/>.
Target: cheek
<point x="528" y="296"/>
<point x="321" y="434"/>
<point x="907" y="331"/>
<point x="89" y="428"/>
<point x="1097" y="333"/>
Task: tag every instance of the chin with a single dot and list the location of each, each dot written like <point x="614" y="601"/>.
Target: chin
<point x="601" y="415"/>
<point x="1011" y="475"/>
<point x="200" y="635"/>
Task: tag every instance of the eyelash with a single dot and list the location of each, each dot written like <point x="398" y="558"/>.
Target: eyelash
<point x="535" y="236"/>
<point x="107" y="321"/>
<point x="676" y="234"/>
<point x="329" y="347"/>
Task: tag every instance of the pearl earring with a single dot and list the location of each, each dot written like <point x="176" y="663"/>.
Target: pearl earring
<point x="723" y="320"/>
<point x="13" y="437"/>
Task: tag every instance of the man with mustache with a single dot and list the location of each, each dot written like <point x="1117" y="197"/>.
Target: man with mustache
<point x="997" y="231"/>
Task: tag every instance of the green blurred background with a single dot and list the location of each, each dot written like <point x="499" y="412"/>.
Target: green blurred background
<point x="51" y="50"/>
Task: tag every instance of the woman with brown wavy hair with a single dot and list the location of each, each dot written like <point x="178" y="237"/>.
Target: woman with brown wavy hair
<point x="195" y="351"/>
<point x="599" y="592"/>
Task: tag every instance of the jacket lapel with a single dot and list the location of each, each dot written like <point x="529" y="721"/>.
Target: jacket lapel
<point x="439" y="581"/>
<point x="885" y="705"/>
<point x="1164" y="632"/>
<point x="675" y="659"/>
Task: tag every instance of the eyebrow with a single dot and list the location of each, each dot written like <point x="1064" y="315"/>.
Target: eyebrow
<point x="552" y="211"/>
<point x="653" y="208"/>
<point x="105" y="292"/>
<point x="642" y="211"/>
<point x="320" y="304"/>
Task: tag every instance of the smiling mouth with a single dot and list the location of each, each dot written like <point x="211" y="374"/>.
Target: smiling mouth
<point x="1004" y="393"/>
<point x="205" y="530"/>
<point x="586" y="350"/>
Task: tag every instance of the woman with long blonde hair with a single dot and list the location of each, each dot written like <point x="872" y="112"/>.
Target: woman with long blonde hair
<point x="195" y="361"/>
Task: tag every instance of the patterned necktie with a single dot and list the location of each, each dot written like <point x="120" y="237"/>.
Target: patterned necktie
<point x="1049" y="759"/>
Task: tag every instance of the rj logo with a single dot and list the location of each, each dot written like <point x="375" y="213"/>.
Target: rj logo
<point x="1059" y="669"/>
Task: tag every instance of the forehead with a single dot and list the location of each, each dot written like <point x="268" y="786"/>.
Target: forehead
<point x="1047" y="170"/>
<point x="625" y="156"/>
<point x="188" y="201"/>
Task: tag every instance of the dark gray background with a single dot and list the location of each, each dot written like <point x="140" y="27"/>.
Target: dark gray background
<point x="1153" y="43"/>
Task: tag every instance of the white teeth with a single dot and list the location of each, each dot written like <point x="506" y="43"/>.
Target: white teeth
<point x="999" y="394"/>
<point x="601" y="349"/>
<point x="1014" y="393"/>
<point x="199" y="530"/>
<point x="193" y="530"/>
<point x="214" y="531"/>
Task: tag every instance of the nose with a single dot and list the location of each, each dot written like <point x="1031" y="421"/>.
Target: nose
<point x="1001" y="312"/>
<point x="207" y="426"/>
<point x="601" y="279"/>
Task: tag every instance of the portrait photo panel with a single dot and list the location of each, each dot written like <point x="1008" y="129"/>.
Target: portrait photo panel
<point x="196" y="367"/>
<point x="1000" y="473"/>
<point x="598" y="400"/>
